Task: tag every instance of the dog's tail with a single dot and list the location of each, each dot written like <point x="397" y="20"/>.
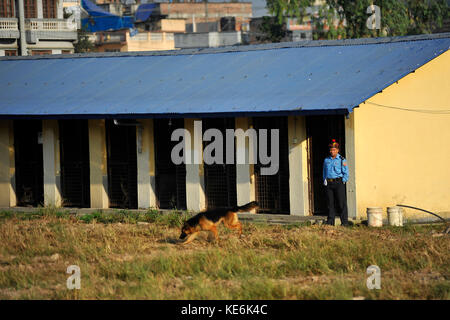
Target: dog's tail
<point x="247" y="207"/>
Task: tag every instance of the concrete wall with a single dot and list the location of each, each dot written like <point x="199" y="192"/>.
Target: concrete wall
<point x="207" y="39"/>
<point x="173" y="25"/>
<point x="98" y="165"/>
<point x="195" y="176"/>
<point x="298" y="166"/>
<point x="245" y="176"/>
<point x="146" y="164"/>
<point x="402" y="157"/>
<point x="51" y="162"/>
<point x="7" y="165"/>
<point x="149" y="41"/>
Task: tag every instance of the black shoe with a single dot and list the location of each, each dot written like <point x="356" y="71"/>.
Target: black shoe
<point x="347" y="224"/>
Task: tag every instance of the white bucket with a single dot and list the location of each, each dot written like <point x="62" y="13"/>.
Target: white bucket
<point x="395" y="216"/>
<point x="375" y="217"/>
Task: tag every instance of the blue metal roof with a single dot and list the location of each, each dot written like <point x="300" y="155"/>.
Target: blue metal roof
<point x="102" y="20"/>
<point x="144" y="11"/>
<point x="288" y="78"/>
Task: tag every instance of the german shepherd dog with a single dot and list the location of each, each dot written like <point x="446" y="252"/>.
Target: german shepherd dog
<point x="210" y="219"/>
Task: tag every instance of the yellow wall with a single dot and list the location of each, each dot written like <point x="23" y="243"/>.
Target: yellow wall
<point x="173" y="25"/>
<point x="144" y="42"/>
<point x="7" y="166"/>
<point x="402" y="157"/>
<point x="98" y="164"/>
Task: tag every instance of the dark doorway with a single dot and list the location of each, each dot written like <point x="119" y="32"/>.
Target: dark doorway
<point x="74" y="147"/>
<point x="320" y="130"/>
<point x="272" y="191"/>
<point x="122" y="165"/>
<point x="170" y="178"/>
<point x="220" y="179"/>
<point x="29" y="162"/>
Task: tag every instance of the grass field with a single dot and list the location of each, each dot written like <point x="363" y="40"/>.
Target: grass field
<point x="136" y="256"/>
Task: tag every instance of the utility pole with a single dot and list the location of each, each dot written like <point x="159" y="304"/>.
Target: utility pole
<point x="23" y="39"/>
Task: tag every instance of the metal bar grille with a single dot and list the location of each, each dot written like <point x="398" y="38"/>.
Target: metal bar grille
<point x="272" y="191"/>
<point x="74" y="147"/>
<point x="170" y="178"/>
<point x="28" y="162"/>
<point x="122" y="165"/>
<point x="220" y="179"/>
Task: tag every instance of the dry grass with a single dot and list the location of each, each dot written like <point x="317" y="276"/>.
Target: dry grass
<point x="133" y="259"/>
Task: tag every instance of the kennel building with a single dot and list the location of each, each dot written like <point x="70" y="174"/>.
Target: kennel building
<point x="93" y="130"/>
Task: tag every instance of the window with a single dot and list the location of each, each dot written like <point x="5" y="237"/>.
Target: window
<point x="40" y="52"/>
<point x="49" y="8"/>
<point x="30" y="8"/>
<point x="10" y="53"/>
<point x="6" y="8"/>
<point x="65" y="52"/>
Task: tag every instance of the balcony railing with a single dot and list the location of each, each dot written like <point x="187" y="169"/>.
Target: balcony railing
<point x="38" y="24"/>
<point x="9" y="24"/>
<point x="50" y="25"/>
<point x="153" y="36"/>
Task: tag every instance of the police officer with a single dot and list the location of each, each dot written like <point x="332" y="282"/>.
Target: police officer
<point x="335" y="175"/>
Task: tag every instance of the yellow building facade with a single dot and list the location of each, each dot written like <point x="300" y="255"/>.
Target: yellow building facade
<point x="401" y="143"/>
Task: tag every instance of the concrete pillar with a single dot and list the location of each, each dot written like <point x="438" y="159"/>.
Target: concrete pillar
<point x="52" y="170"/>
<point x="59" y="9"/>
<point x="7" y="165"/>
<point x="39" y="9"/>
<point x="298" y="166"/>
<point x="350" y="156"/>
<point x="195" y="179"/>
<point x="23" y="41"/>
<point x="98" y="165"/>
<point x="245" y="176"/>
<point x="146" y="164"/>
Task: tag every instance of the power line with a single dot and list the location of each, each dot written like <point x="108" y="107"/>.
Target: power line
<point x="442" y="111"/>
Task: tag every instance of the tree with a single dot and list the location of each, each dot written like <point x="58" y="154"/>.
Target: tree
<point x="348" y="18"/>
<point x="271" y="30"/>
<point x="283" y="9"/>
<point x="337" y="19"/>
<point x="83" y="44"/>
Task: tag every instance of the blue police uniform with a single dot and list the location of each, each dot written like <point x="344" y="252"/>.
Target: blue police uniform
<point x="335" y="168"/>
<point x="335" y="175"/>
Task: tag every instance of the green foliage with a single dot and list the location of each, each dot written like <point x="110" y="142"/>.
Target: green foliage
<point x="340" y="19"/>
<point x="271" y="30"/>
<point x="348" y="18"/>
<point x="282" y="9"/>
<point x="83" y="44"/>
<point x="171" y="219"/>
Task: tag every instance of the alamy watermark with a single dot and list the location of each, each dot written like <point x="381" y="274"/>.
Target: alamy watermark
<point x="213" y="152"/>
<point x="374" y="280"/>
<point x="74" y="281"/>
<point x="374" y="21"/>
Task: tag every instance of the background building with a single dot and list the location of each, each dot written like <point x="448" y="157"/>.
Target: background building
<point x="46" y="30"/>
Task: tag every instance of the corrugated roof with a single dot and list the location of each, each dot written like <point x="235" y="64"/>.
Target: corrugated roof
<point x="299" y="78"/>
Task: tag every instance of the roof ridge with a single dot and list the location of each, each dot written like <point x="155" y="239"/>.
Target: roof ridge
<point x="240" y="48"/>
